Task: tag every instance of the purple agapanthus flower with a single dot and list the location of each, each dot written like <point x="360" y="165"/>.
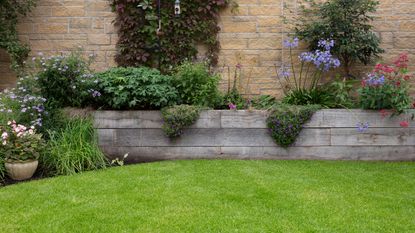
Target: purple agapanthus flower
<point x="375" y="80"/>
<point x="362" y="127"/>
<point x="284" y="72"/>
<point x="323" y="60"/>
<point x="291" y="43"/>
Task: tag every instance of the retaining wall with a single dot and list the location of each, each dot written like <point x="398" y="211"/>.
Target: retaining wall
<point x="330" y="135"/>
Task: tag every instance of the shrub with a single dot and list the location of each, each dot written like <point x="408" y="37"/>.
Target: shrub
<point x="66" y="80"/>
<point x="178" y="117"/>
<point x="348" y="22"/>
<point x="387" y="87"/>
<point x="136" y="88"/>
<point x="73" y="149"/>
<point x="196" y="85"/>
<point x="285" y="122"/>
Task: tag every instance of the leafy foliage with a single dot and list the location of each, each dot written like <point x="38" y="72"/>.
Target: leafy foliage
<point x="136" y="88"/>
<point x="196" y="85"/>
<point x="304" y="97"/>
<point x="178" y="117"/>
<point x="139" y="36"/>
<point x="264" y="102"/>
<point x="285" y="122"/>
<point x="387" y="87"/>
<point x="66" y="80"/>
<point x="73" y="149"/>
<point x="10" y="11"/>
<point x="348" y="22"/>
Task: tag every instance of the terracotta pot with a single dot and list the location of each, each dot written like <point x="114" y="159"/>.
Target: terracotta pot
<point x="21" y="170"/>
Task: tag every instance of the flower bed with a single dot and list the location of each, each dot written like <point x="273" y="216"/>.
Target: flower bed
<point x="331" y="135"/>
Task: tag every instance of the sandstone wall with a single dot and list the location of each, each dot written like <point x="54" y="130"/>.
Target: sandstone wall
<point x="253" y="36"/>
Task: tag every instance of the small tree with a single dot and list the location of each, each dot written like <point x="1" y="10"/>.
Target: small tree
<point x="347" y="22"/>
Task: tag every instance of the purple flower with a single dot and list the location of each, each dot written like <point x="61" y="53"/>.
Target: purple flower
<point x="284" y="72"/>
<point x="96" y="94"/>
<point x="232" y="106"/>
<point x="326" y="44"/>
<point x="291" y="43"/>
<point x="362" y="127"/>
<point x="375" y="80"/>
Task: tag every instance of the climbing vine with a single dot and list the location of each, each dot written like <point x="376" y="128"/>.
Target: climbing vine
<point x="141" y="43"/>
<point x="10" y="11"/>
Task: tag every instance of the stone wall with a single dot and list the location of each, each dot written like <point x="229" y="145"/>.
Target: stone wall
<point x="253" y="36"/>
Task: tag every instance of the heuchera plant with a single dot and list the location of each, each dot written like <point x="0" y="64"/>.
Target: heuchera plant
<point x="20" y="143"/>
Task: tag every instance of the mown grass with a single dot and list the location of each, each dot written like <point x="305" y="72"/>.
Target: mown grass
<point x="218" y="196"/>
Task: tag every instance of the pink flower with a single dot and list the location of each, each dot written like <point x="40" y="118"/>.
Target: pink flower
<point x="384" y="113"/>
<point x="404" y="124"/>
<point x="232" y="106"/>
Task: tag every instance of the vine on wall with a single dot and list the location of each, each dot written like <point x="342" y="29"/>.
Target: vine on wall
<point x="137" y="23"/>
<point x="10" y="10"/>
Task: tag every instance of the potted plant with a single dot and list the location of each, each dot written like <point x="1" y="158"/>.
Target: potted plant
<point x="21" y="147"/>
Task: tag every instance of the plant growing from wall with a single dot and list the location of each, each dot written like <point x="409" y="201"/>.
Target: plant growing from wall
<point x="10" y="11"/>
<point x="285" y="122"/>
<point x="348" y="22"/>
<point x="141" y="43"/>
<point x="177" y="117"/>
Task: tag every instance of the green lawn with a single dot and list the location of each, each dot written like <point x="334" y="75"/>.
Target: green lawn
<point x="218" y="196"/>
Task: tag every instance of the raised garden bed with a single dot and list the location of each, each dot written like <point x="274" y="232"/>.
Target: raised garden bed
<point x="331" y="135"/>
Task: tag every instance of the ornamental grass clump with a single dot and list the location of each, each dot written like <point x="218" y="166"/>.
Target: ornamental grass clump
<point x="285" y="122"/>
<point x="73" y="149"/>
<point x="178" y="117"/>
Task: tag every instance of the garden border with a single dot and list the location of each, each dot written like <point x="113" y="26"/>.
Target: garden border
<point x="223" y="134"/>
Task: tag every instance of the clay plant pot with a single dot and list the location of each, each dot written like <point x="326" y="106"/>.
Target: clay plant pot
<point x="21" y="170"/>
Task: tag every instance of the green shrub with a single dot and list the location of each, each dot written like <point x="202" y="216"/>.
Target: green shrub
<point x="73" y="149"/>
<point x="136" y="88"/>
<point x="67" y="80"/>
<point x="285" y="122"/>
<point x="196" y="85"/>
<point x="348" y="23"/>
<point x="178" y="117"/>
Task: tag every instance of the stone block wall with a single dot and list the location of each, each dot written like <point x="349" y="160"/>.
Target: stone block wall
<point x="253" y="36"/>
